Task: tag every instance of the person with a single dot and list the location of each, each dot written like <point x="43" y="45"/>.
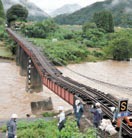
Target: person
<point x="11" y="126"/>
<point x="115" y="113"/>
<point x="97" y="114"/>
<point x="78" y="111"/>
<point x="61" y="116"/>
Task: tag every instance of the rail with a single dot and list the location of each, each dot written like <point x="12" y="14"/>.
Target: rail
<point x="55" y="80"/>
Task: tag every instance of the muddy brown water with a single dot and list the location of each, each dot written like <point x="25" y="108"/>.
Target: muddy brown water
<point x="108" y="76"/>
<point x="14" y="98"/>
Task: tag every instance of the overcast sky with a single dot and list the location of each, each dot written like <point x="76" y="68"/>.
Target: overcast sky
<point x="50" y="5"/>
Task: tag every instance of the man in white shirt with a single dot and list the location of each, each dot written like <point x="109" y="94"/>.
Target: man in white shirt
<point x="61" y="117"/>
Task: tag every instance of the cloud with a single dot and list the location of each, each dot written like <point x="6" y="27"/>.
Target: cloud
<point x="128" y="10"/>
<point x="116" y="2"/>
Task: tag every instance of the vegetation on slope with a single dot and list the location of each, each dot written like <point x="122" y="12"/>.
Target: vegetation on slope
<point x="2" y="14"/>
<point x="73" y="45"/>
<point x="121" y="11"/>
<point x="48" y="129"/>
<point x="7" y="45"/>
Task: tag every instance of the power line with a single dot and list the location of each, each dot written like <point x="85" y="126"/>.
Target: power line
<point x="89" y="78"/>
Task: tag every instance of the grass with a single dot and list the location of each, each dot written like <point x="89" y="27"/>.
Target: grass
<point x="5" y="52"/>
<point x="49" y="114"/>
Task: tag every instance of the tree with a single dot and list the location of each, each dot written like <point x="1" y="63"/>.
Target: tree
<point x="119" y="45"/>
<point x="40" y="29"/>
<point x="121" y="50"/>
<point x="2" y="14"/>
<point x="104" y="20"/>
<point x="86" y="26"/>
<point x="16" y="12"/>
<point x="93" y="36"/>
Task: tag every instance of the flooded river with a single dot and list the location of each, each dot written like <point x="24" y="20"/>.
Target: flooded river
<point x="14" y="98"/>
<point x="109" y="77"/>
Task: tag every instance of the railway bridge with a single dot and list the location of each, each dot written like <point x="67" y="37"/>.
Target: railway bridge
<point x="40" y="71"/>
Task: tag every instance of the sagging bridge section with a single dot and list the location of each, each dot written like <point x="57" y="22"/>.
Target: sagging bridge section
<point x="39" y="70"/>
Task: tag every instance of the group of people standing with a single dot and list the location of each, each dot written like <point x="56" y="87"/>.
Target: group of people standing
<point x="78" y="112"/>
<point x="95" y="109"/>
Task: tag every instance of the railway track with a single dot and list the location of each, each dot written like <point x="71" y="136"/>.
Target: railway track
<point x="57" y="82"/>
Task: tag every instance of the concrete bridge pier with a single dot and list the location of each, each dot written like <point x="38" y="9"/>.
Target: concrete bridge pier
<point x="34" y="82"/>
<point x="18" y="50"/>
<point x="23" y="62"/>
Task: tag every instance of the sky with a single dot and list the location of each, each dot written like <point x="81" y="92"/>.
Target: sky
<point x="50" y="5"/>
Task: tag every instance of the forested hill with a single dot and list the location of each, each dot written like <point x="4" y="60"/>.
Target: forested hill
<point x="35" y="13"/>
<point x="2" y="15"/>
<point x="121" y="10"/>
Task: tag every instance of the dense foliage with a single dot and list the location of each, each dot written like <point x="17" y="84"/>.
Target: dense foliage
<point x="16" y="12"/>
<point x="8" y="43"/>
<point x="48" y="129"/>
<point x="37" y="129"/>
<point x="93" y="36"/>
<point x="61" y="45"/>
<point x="2" y="14"/>
<point x="70" y="44"/>
<point x="104" y="20"/>
<point x="121" y="12"/>
<point x="63" y="52"/>
<point x="40" y="29"/>
<point x="120" y="45"/>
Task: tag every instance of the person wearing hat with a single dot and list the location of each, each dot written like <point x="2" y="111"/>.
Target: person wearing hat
<point x="61" y="116"/>
<point x="97" y="114"/>
<point x="78" y="111"/>
<point x="11" y="126"/>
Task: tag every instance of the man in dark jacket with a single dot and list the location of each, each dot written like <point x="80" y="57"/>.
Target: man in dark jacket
<point x="11" y="126"/>
<point x="97" y="114"/>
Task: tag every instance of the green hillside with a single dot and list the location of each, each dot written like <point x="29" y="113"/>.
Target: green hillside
<point x="2" y="15"/>
<point x="121" y="11"/>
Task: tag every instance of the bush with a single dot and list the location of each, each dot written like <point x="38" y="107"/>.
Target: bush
<point x="3" y="33"/>
<point x="2" y="21"/>
<point x="40" y="29"/>
<point x="63" y="51"/>
<point x="95" y="38"/>
<point x="37" y="129"/>
<point x="49" y="129"/>
<point x="49" y="114"/>
<point x="71" y="130"/>
<point x="120" y="45"/>
<point x="97" y="54"/>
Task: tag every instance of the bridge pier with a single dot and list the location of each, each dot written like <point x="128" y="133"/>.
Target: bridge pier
<point x="23" y="62"/>
<point x="34" y="82"/>
<point x="18" y="51"/>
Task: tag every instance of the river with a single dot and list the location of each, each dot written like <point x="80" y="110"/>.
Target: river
<point x="108" y="76"/>
<point x="14" y="98"/>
